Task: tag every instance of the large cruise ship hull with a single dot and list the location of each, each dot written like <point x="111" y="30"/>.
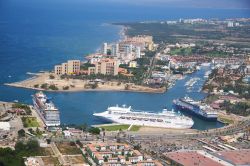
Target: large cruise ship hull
<point x="148" y="123"/>
<point x="191" y="112"/>
<point x="41" y="112"/>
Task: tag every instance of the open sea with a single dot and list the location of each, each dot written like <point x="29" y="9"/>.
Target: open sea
<point x="36" y="35"/>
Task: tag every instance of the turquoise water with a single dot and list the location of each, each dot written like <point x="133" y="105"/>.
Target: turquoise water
<point x="36" y="35"/>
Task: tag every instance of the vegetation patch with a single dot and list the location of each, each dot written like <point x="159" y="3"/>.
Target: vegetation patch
<point x="181" y="51"/>
<point x="94" y="130"/>
<point x="53" y="87"/>
<point x="226" y="120"/>
<point x="135" y="128"/>
<point x="44" y="86"/>
<point x="68" y="148"/>
<point x="30" y="122"/>
<point x="36" y="132"/>
<point x="120" y="127"/>
<point x="51" y="76"/>
<point x="66" y="88"/>
<point x="241" y="108"/>
<point x="75" y="159"/>
<point x="50" y="160"/>
<point x="11" y="157"/>
<point x="211" y="98"/>
<point x="25" y="107"/>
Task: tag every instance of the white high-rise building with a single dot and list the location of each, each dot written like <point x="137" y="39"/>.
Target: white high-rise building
<point x="138" y="52"/>
<point x="115" y="50"/>
<point x="230" y="24"/>
<point x="128" y="49"/>
<point x="104" y="48"/>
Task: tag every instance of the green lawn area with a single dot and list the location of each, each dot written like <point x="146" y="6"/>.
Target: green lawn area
<point x="30" y="122"/>
<point x="181" y="51"/>
<point x="225" y="120"/>
<point x="135" y="128"/>
<point x="211" y="98"/>
<point x="120" y="127"/>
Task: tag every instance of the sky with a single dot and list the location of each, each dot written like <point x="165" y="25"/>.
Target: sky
<point x="224" y="4"/>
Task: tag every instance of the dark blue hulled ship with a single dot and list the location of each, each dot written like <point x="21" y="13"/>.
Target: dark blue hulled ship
<point x="196" y="108"/>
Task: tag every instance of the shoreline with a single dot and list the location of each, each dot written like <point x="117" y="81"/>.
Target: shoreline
<point x="77" y="85"/>
<point x="26" y="84"/>
<point x="83" y="90"/>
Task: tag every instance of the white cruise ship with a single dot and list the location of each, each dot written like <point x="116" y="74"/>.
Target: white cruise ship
<point x="46" y="109"/>
<point x="165" y="119"/>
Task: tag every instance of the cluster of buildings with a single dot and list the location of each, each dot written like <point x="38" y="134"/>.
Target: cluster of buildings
<point x="127" y="50"/>
<point x="232" y="24"/>
<point x="231" y="70"/>
<point x="131" y="47"/>
<point x="187" y="21"/>
<point x="7" y="125"/>
<point x="202" y="158"/>
<point x="118" y="154"/>
<point x="229" y="23"/>
<point x="109" y="58"/>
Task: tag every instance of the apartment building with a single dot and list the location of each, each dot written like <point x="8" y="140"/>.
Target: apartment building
<point x="105" y="66"/>
<point x="118" y="154"/>
<point x="70" y="67"/>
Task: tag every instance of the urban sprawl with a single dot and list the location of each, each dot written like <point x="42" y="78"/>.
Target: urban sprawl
<point x="150" y="57"/>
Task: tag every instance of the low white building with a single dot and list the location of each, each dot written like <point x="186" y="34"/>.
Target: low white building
<point x="67" y="133"/>
<point x="5" y="126"/>
<point x="34" y="161"/>
<point x="133" y="64"/>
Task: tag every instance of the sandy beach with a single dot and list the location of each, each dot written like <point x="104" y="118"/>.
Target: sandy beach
<point x="74" y="85"/>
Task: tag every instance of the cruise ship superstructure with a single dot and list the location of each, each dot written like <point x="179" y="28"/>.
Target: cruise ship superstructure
<point x="46" y="110"/>
<point x="195" y="107"/>
<point x="165" y="119"/>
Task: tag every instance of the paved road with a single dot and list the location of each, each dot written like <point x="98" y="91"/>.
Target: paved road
<point x="58" y="153"/>
<point x="228" y="130"/>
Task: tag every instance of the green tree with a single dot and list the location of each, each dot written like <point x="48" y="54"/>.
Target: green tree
<point x="44" y="86"/>
<point x="94" y="86"/>
<point x="21" y="133"/>
<point x="53" y="87"/>
<point x="94" y="130"/>
<point x="66" y="88"/>
<point x="51" y="76"/>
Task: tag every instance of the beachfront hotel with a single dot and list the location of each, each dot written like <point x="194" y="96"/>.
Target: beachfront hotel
<point x="118" y="154"/>
<point x="68" y="68"/>
<point x="105" y="66"/>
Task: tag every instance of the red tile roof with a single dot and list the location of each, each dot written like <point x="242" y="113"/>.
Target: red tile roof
<point x="237" y="157"/>
<point x="191" y="158"/>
